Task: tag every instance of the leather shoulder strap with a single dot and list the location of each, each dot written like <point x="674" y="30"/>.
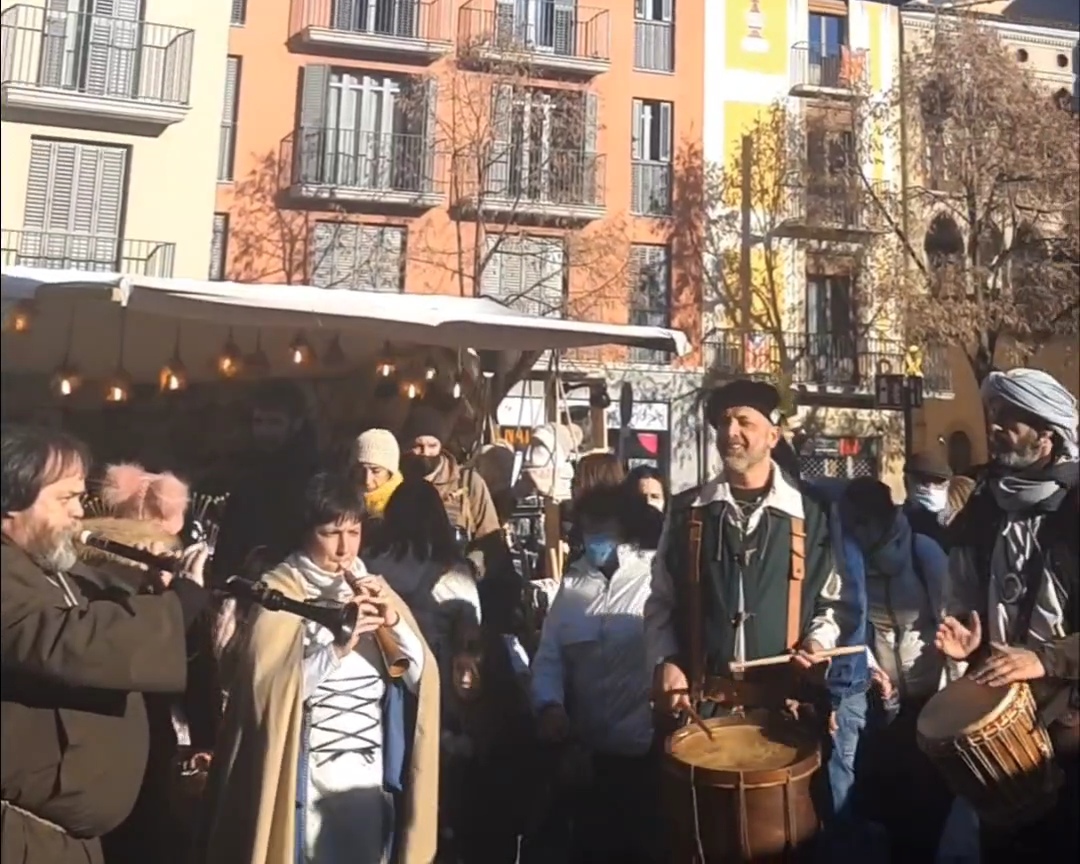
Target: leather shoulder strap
<point x="795" y="582"/>
<point x="696" y="659"/>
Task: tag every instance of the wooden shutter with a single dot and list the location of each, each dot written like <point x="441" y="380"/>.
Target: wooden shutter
<point x="491" y="275"/>
<point x="665" y="133"/>
<point x="345" y="17"/>
<point x="114" y="35"/>
<point x="502" y="98"/>
<point x="589" y="179"/>
<point x="239" y="12"/>
<point x="326" y="245"/>
<point x="637" y="115"/>
<point x="667" y="10"/>
<point x="564" y="27"/>
<point x="431" y="134"/>
<point x="311" y="139"/>
<point x="641" y="9"/>
<point x="387" y="245"/>
<point x="227" y="140"/>
<point x="218" y="246"/>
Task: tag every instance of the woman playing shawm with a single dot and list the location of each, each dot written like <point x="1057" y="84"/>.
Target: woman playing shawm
<point x="311" y="763"/>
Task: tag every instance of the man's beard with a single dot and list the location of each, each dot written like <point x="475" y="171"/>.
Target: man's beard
<point x="742" y="459"/>
<point x="54" y="551"/>
<point x="1023" y="455"/>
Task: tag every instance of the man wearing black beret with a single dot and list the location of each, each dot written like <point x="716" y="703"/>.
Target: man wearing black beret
<point x="744" y="569"/>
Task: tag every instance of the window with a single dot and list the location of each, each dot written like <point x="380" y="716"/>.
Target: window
<point x="544" y="146"/>
<point x="365" y="130"/>
<point x="95" y="50"/>
<point x="650" y="297"/>
<point x="654" y="35"/>
<point x="74" y="206"/>
<point x="227" y="143"/>
<point x="239" y="13"/>
<point x="542" y="25"/>
<point x="527" y="273"/>
<point x="651" y="147"/>
<point x="827" y="34"/>
<point x="219" y="244"/>
<point x="830" y="351"/>
<point x="358" y="257"/>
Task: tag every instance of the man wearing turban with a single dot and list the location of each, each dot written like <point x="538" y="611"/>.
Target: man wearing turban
<point x="1012" y="602"/>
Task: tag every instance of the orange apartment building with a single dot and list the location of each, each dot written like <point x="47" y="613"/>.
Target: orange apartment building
<point x="523" y="149"/>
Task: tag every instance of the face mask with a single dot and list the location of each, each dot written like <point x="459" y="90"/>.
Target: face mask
<point x="656" y="503"/>
<point x="933" y="498"/>
<point x="599" y="550"/>
<point x="414" y="465"/>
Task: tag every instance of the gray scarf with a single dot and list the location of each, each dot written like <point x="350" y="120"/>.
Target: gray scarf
<point x="1014" y="494"/>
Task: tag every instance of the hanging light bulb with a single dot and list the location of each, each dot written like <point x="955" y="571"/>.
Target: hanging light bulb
<point x="66" y="380"/>
<point x="455" y="391"/>
<point x="230" y="360"/>
<point x="20" y="318"/>
<point x="173" y="376"/>
<point x="412" y="390"/>
<point x="118" y="388"/>
<point x="385" y="367"/>
<point x="431" y="371"/>
<point x="257" y="363"/>
<point x="335" y="354"/>
<point x="300" y="351"/>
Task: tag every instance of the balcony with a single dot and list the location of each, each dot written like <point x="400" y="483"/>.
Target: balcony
<point x="650" y="188"/>
<point x="348" y="167"/>
<point x="654" y="46"/>
<point x="57" y="250"/>
<point x="827" y="73"/>
<point x="841" y="211"/>
<point x="539" y="185"/>
<point x="403" y="30"/>
<point x="844" y="363"/>
<point x="546" y="36"/>
<point x="81" y="67"/>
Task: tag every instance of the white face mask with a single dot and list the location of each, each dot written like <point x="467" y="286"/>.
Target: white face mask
<point x="933" y="498"/>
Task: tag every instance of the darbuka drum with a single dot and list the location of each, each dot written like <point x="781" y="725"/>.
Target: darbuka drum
<point x="742" y="794"/>
<point x="992" y="750"/>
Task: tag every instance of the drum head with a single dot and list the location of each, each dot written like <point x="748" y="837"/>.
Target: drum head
<point x="962" y="707"/>
<point x="751" y="744"/>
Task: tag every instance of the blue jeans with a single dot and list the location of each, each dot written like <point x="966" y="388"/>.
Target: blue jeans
<point x="850" y="722"/>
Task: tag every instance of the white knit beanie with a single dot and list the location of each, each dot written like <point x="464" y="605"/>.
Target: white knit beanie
<point x="378" y="447"/>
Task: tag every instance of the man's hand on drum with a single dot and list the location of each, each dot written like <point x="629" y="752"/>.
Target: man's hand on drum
<point x="956" y="641"/>
<point x="671" y="689"/>
<point x="1008" y="665"/>
<point x="881" y="682"/>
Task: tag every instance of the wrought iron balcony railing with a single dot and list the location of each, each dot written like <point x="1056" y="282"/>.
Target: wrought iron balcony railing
<point x="97" y="56"/>
<point x="820" y="70"/>
<point x="395" y="26"/>
<point x="560" y="36"/>
<point x="56" y="250"/>
<point x="845" y="361"/>
<point x="650" y="188"/>
<point x="364" y="165"/>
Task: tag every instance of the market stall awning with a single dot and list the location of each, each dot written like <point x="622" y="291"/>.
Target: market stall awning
<point x="89" y="316"/>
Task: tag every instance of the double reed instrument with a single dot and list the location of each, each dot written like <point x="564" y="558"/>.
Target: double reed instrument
<point x="338" y="618"/>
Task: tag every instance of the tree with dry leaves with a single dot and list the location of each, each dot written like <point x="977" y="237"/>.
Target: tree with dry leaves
<point x="526" y="187"/>
<point x="791" y="201"/>
<point x="987" y="229"/>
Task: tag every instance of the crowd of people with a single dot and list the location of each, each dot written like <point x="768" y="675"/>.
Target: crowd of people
<point x="373" y="696"/>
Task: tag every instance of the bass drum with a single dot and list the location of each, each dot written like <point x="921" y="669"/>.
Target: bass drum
<point x="741" y="791"/>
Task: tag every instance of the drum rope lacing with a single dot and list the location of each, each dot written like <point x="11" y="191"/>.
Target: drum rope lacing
<point x="697" y="815"/>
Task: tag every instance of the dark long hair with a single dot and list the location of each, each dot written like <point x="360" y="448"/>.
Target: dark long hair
<point x="33" y="457"/>
<point x="415" y="522"/>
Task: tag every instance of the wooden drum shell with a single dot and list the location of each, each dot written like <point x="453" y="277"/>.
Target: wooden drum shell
<point x="1003" y="765"/>
<point x="739" y="816"/>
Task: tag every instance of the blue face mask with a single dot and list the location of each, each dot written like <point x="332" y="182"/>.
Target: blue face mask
<point x="599" y="550"/>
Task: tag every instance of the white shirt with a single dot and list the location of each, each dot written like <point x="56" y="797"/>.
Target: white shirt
<point x="592" y="654"/>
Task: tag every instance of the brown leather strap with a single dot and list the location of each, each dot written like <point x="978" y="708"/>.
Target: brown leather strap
<point x="696" y="649"/>
<point x="795" y="583"/>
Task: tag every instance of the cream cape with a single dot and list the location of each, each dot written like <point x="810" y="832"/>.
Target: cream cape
<point x="251" y="797"/>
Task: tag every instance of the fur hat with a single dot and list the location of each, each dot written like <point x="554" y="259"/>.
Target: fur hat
<point x="129" y="491"/>
<point x="378" y="447"/>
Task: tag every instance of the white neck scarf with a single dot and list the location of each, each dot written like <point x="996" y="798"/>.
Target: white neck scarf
<point x="320" y="584"/>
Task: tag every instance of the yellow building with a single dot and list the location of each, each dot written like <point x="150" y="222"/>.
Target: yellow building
<point x="111" y="117"/>
<point x="816" y="61"/>
<point x="1049" y="51"/>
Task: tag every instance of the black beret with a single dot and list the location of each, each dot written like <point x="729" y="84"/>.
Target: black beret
<point x="743" y="393"/>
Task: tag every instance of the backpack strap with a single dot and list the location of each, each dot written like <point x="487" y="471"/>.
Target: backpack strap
<point x="795" y="582"/>
<point x="696" y="649"/>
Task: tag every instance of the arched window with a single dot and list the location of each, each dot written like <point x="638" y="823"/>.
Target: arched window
<point x="944" y="247"/>
<point x="958" y="450"/>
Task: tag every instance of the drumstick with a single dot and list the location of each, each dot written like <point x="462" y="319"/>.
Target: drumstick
<point x="698" y="721"/>
<point x="779" y="659"/>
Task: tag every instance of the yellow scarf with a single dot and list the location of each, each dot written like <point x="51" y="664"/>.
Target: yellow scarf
<point x="376" y="501"/>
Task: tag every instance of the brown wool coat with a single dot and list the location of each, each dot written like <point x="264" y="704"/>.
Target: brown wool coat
<point x="250" y="808"/>
<point x="75" y="739"/>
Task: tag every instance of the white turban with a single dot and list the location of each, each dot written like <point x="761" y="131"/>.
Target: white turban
<point x="1041" y="395"/>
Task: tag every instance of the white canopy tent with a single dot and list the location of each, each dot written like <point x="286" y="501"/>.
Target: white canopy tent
<point x="100" y="321"/>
